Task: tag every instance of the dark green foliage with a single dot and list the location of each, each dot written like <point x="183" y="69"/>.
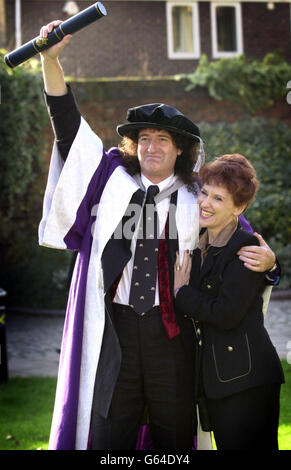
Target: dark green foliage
<point x="23" y="117"/>
<point x="32" y="276"/>
<point x="253" y="83"/>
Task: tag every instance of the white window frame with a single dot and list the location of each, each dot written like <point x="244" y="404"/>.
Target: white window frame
<point x="196" y="31"/>
<point x="239" y="35"/>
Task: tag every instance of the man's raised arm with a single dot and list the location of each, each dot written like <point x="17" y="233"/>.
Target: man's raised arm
<point x="63" y="110"/>
<point x="54" y="82"/>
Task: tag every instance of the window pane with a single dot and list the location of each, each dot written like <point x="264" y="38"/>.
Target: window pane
<point x="182" y="29"/>
<point x="226" y="29"/>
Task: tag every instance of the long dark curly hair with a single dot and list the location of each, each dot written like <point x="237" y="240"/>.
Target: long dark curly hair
<point x="184" y="164"/>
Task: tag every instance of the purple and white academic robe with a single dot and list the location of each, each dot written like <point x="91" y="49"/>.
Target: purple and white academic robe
<point x="84" y="201"/>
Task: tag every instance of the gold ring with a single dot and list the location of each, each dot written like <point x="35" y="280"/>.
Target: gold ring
<point x="177" y="268"/>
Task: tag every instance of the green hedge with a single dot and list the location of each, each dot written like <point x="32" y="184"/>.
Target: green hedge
<point x="256" y="84"/>
<point x="32" y="276"/>
<point x="23" y="117"/>
<point x="267" y="144"/>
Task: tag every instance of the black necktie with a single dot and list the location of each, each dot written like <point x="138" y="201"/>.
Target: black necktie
<point x="144" y="275"/>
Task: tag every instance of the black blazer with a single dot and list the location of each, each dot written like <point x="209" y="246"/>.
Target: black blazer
<point x="224" y="299"/>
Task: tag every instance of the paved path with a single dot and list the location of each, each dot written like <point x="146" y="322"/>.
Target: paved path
<point x="33" y="341"/>
<point x="33" y="344"/>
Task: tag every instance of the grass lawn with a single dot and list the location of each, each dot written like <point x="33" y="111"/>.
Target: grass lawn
<point x="285" y="410"/>
<point x="26" y="410"/>
<point x="26" y="406"/>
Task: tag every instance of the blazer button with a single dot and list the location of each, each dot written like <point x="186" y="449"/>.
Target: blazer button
<point x="185" y="316"/>
<point x="208" y="286"/>
<point x="200" y="343"/>
<point x="198" y="331"/>
<point x="230" y="348"/>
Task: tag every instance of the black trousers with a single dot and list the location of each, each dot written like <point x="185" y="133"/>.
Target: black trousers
<point x="247" y="420"/>
<point x="156" y="372"/>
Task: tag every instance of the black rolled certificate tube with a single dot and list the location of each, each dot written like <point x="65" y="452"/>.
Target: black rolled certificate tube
<point x="70" y="26"/>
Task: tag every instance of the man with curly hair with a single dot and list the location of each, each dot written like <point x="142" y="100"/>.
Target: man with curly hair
<point x="125" y="348"/>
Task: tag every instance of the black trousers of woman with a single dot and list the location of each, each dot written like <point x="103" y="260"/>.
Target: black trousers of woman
<point x="156" y="372"/>
<point x="248" y="420"/>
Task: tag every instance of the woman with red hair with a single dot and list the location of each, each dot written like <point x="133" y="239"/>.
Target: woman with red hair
<point x="238" y="371"/>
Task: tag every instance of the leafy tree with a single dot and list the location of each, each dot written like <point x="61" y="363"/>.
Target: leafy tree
<point x="23" y="117"/>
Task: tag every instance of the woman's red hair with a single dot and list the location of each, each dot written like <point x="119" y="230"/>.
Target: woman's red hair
<point x="234" y="172"/>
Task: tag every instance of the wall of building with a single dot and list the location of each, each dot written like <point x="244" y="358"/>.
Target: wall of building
<point x="266" y="30"/>
<point x="132" y="39"/>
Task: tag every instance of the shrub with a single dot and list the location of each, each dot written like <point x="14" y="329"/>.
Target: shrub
<point x="252" y="83"/>
<point x="32" y="276"/>
<point x="23" y="117"/>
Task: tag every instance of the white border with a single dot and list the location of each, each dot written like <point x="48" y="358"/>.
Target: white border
<point x="239" y="34"/>
<point x="196" y="31"/>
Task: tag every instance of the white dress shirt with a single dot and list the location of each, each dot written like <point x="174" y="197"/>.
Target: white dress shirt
<point x="123" y="289"/>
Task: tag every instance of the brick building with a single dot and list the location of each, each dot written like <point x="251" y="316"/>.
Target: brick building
<point x="154" y="38"/>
